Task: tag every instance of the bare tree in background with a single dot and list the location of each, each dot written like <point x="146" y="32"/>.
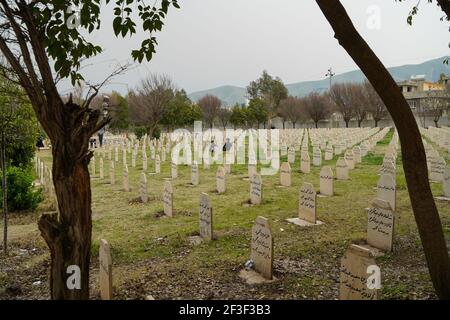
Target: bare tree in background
<point x="342" y="96"/>
<point x="293" y="109"/>
<point x="360" y="107"/>
<point x="434" y="105"/>
<point x="148" y="103"/>
<point x="374" y="103"/>
<point x="210" y="106"/>
<point x="318" y="107"/>
<point x="224" y="116"/>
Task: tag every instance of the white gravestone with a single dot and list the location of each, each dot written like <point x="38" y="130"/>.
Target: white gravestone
<point x="220" y="180"/>
<point x="380" y="226"/>
<point x="105" y="263"/>
<point x="386" y="190"/>
<point x="168" y="199"/>
<point x="143" y="188"/>
<point x="205" y="217"/>
<point x="126" y="183"/>
<point x="256" y="189"/>
<point x="305" y="164"/>
<point x="112" y="173"/>
<point x="285" y="174"/>
<point x="262" y="248"/>
<point x="354" y="277"/>
<point x="326" y="181"/>
<point x="342" y="169"/>
<point x="194" y="174"/>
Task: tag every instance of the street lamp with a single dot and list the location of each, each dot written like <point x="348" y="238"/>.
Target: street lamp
<point x="330" y="74"/>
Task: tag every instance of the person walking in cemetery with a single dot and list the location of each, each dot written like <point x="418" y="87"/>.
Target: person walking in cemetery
<point x="227" y="146"/>
<point x="100" y="134"/>
<point x="213" y="147"/>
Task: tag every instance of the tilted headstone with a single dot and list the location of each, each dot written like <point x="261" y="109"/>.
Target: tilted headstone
<point x="354" y="277"/>
<point x="262" y="248"/>
<point x="256" y="189"/>
<point x="386" y="190"/>
<point x="220" y="180"/>
<point x="342" y="169"/>
<point x="105" y="263"/>
<point x="168" y="199"/>
<point x="205" y="217"/>
<point x="326" y="181"/>
<point x="307" y="203"/>
<point x="380" y="226"/>
<point x="285" y="174"/>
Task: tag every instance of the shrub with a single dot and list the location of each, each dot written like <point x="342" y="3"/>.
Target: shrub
<point x="140" y="132"/>
<point x="21" y="195"/>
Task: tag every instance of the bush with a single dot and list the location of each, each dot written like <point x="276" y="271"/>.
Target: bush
<point x="140" y="132"/>
<point x="21" y="195"/>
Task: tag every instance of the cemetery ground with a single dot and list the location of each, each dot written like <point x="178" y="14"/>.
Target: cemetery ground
<point x="152" y="254"/>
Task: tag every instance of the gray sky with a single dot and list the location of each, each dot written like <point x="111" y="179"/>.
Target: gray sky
<point x="209" y="43"/>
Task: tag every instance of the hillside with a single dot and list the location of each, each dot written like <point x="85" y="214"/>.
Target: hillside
<point x="231" y="95"/>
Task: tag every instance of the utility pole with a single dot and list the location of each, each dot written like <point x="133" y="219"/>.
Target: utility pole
<point x="330" y="74"/>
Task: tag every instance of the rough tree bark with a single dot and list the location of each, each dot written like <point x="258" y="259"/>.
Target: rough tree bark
<point x="68" y="234"/>
<point x="413" y="153"/>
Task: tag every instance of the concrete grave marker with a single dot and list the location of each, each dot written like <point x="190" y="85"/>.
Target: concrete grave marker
<point x="342" y="169"/>
<point x="220" y="180"/>
<point x="168" y="198"/>
<point x="112" y="173"/>
<point x="174" y="170"/>
<point x="157" y="164"/>
<point x="380" y="226"/>
<point x="194" y="174"/>
<point x="326" y="181"/>
<point x="386" y="190"/>
<point x="101" y="169"/>
<point x="105" y="264"/>
<point x="285" y="174"/>
<point x="143" y="188"/>
<point x="305" y="164"/>
<point x="354" y="277"/>
<point x="256" y="189"/>
<point x="205" y="217"/>
<point x="126" y="182"/>
<point x="291" y="155"/>
<point x="262" y="248"/>
<point x="317" y="157"/>
<point x="349" y="157"/>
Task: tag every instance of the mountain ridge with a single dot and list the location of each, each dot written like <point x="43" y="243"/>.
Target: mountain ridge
<point x="230" y="94"/>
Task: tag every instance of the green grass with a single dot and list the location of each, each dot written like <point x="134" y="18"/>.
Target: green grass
<point x="153" y="255"/>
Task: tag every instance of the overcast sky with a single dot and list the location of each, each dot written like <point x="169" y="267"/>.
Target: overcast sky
<point x="210" y="43"/>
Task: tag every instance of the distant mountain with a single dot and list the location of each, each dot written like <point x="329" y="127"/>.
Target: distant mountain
<point x="432" y="69"/>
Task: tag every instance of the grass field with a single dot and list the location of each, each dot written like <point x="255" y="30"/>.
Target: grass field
<point x="152" y="255"/>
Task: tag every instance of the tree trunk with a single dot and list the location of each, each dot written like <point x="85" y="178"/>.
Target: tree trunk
<point x="5" y="195"/>
<point x="317" y="124"/>
<point x="68" y="232"/>
<point x="294" y="124"/>
<point x="359" y="123"/>
<point x="376" y="122"/>
<point x="346" y="123"/>
<point x="436" y="123"/>
<point x="413" y="153"/>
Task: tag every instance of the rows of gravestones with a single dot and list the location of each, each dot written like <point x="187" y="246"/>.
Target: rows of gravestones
<point x="438" y="170"/>
<point x="380" y="229"/>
